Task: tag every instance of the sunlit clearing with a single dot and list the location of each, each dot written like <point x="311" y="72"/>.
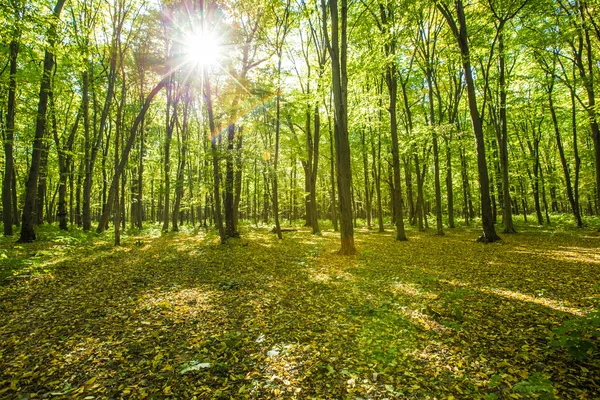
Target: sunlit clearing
<point x="202" y="48"/>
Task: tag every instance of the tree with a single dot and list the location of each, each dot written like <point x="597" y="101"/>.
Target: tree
<point x="8" y="181"/>
<point x="458" y="26"/>
<point x="28" y="218"/>
<point x="337" y="46"/>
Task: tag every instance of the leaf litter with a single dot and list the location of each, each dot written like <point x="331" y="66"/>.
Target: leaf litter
<point x="182" y="317"/>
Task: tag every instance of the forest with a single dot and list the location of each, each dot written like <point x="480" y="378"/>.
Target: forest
<point x="300" y="199"/>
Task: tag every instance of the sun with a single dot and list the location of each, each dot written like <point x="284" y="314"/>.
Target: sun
<point x="202" y="48"/>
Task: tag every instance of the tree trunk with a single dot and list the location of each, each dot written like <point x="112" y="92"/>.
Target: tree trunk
<point x="314" y="166"/>
<point x="460" y="32"/>
<point x="274" y="179"/>
<point x="125" y="155"/>
<point x="230" y="225"/>
<point x="182" y="164"/>
<point x="9" y="178"/>
<point x="28" y="219"/>
<point x="507" y="218"/>
<point x="64" y="165"/>
<point x="436" y="162"/>
<point x="238" y="180"/>
<point x="365" y="160"/>
<point x="215" y="158"/>
<point x="42" y="183"/>
<point x="563" y="159"/>
<point x="337" y="50"/>
<point x="449" y="189"/>
<point x="169" y="126"/>
<point x="332" y="163"/>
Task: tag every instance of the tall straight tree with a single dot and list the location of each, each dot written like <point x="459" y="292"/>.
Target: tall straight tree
<point x="504" y="12"/>
<point x="385" y="24"/>
<point x="124" y="156"/>
<point x="28" y="219"/>
<point x="458" y="26"/>
<point x="119" y="13"/>
<point x="282" y="29"/>
<point x="7" y="183"/>
<point x="337" y="46"/>
<point x="426" y="43"/>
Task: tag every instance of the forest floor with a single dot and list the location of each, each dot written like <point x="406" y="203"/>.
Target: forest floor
<point x="180" y="316"/>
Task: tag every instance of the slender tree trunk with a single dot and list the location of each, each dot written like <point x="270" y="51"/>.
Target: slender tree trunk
<point x="119" y="127"/>
<point x="314" y="166"/>
<point x="230" y="225"/>
<point x="449" y="189"/>
<point x="64" y="166"/>
<point x="391" y="80"/>
<point x="436" y="162"/>
<point x="9" y="178"/>
<point x="377" y="178"/>
<point x="460" y="32"/>
<point x="365" y="160"/>
<point x="170" y="119"/>
<point x="536" y="181"/>
<point x="99" y="135"/>
<point x="238" y="179"/>
<point x="337" y="47"/>
<point x="42" y="183"/>
<point x="332" y="163"/>
<point x="181" y="165"/>
<point x="465" y="185"/>
<point x="274" y="179"/>
<point x="124" y="157"/>
<point x="563" y="159"/>
<point x="28" y="218"/>
<point x="215" y="158"/>
<point x="420" y="195"/>
<point x="507" y="218"/>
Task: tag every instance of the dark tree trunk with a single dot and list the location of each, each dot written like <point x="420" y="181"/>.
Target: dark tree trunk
<point x="215" y="158"/>
<point x="42" y="183"/>
<point x="181" y="165"/>
<point x="99" y="135"/>
<point x="377" y="178"/>
<point x="436" y="161"/>
<point x="449" y="189"/>
<point x="507" y="218"/>
<point x="124" y="157"/>
<point x="563" y="159"/>
<point x="28" y="219"/>
<point x="9" y="178"/>
<point x="391" y="79"/>
<point x="230" y="225"/>
<point x="365" y="160"/>
<point x="337" y="47"/>
<point x="169" y="126"/>
<point x="64" y="166"/>
<point x="460" y="32"/>
<point x="238" y="180"/>
<point x="332" y="163"/>
<point x="313" y="165"/>
<point x="465" y="186"/>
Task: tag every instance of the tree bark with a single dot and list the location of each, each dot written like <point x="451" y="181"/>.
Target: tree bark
<point x="125" y="155"/>
<point x="337" y="47"/>
<point x="563" y="159"/>
<point x="7" y="184"/>
<point x="28" y="218"/>
<point x="460" y="32"/>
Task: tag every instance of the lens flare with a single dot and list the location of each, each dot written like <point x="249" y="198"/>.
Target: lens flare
<point x="202" y="48"/>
